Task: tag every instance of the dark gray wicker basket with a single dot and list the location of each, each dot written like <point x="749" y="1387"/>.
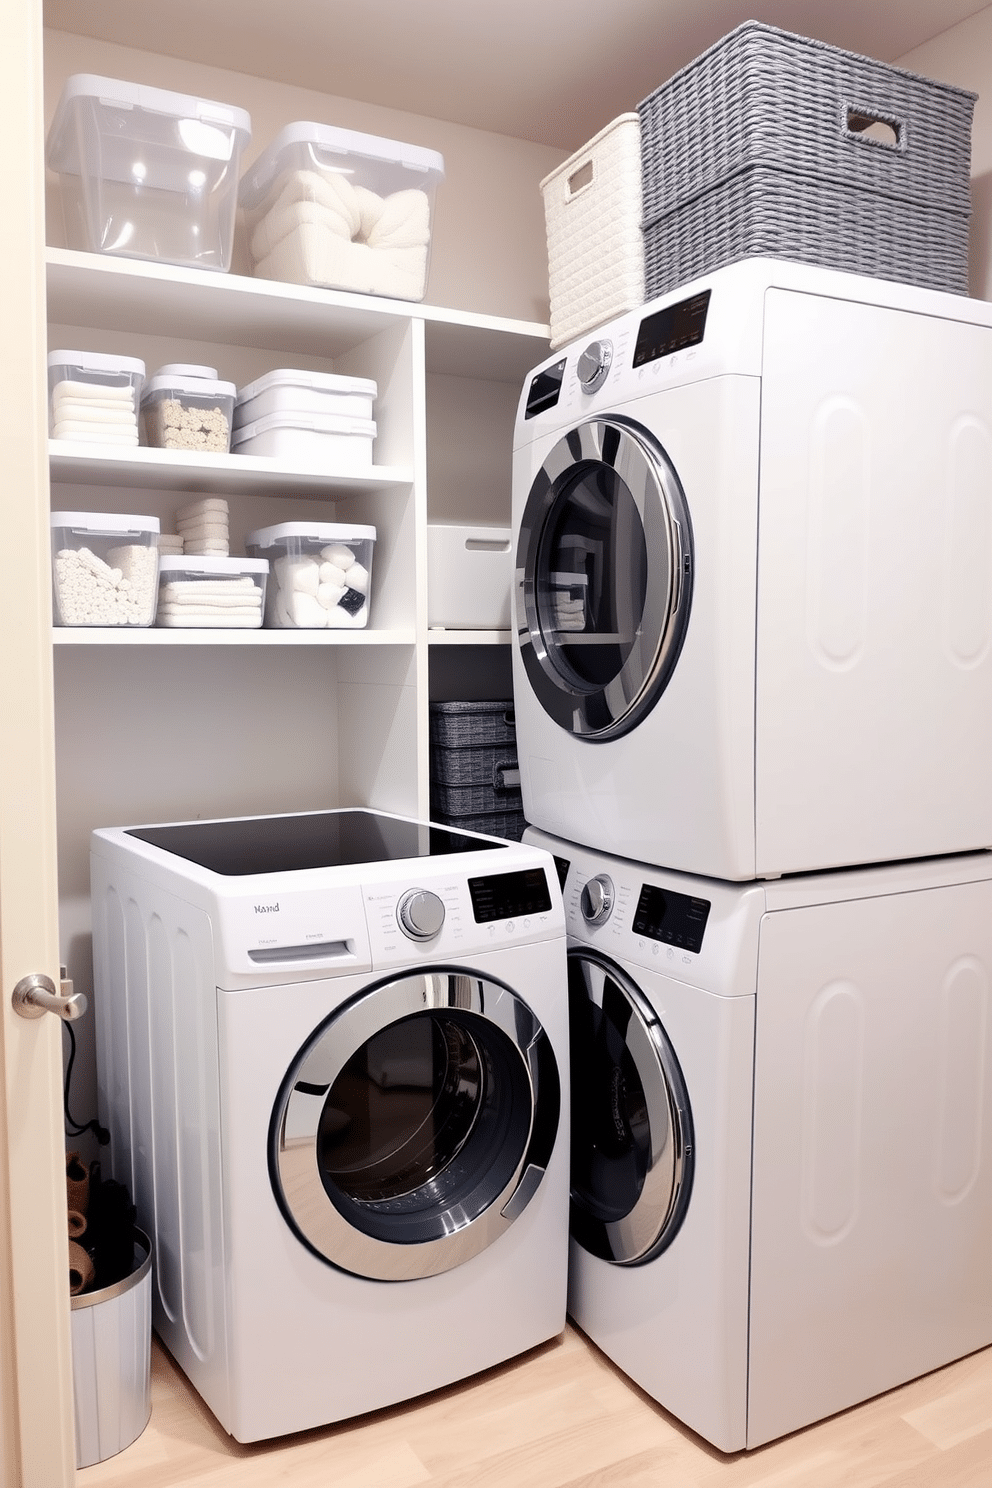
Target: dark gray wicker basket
<point x="470" y="724"/>
<point x="759" y="147"/>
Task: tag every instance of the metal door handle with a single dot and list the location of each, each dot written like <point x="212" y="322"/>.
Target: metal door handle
<point x="36" y="994"/>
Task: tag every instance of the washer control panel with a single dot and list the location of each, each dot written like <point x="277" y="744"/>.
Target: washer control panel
<point x="593" y="365"/>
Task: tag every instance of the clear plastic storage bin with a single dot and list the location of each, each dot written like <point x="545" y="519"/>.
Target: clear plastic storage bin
<point x="289" y="391"/>
<point x="320" y="575"/>
<point x="93" y="396"/>
<point x="146" y="173"/>
<point x="331" y="207"/>
<point x="104" y="568"/>
<point x="316" y="440"/>
<point x="211" y="593"/>
<point x="188" y="409"/>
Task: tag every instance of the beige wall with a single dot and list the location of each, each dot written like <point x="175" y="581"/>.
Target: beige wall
<point x="963" y="56"/>
<point x="488" y="252"/>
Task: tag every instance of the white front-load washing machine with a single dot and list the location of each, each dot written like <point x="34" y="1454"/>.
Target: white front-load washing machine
<point x="332" y="1056"/>
<point x="781" y="1180"/>
<point x="753" y="629"/>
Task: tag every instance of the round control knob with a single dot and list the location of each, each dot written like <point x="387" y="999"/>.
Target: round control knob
<point x="420" y="914"/>
<point x="593" y="365"/>
<point x="596" y="901"/>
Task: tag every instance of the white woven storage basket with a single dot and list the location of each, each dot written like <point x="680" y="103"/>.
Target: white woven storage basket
<point x="592" y="210"/>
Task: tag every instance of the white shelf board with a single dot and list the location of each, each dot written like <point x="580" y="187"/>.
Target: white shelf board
<point x="438" y="636"/>
<point x="122" y="294"/>
<point x="154" y="636"/>
<point x="167" y="470"/>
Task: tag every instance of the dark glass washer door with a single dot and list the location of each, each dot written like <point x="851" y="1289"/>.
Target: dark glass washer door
<point x="632" y="1142"/>
<point x="604" y="578"/>
<point x="415" y="1125"/>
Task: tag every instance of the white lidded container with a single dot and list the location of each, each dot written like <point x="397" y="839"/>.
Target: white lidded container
<point x="319" y="441"/>
<point x="147" y="173"/>
<point x="288" y="391"/>
<point x="211" y="593"/>
<point x="469" y="576"/>
<point x="104" y="568"/>
<point x="320" y="574"/>
<point x="343" y="210"/>
<point x="183" y="408"/>
<point x="93" y="396"/>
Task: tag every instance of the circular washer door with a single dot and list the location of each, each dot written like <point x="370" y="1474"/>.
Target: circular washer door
<point x="632" y="1143"/>
<point x="415" y="1125"/>
<point x="603" y="578"/>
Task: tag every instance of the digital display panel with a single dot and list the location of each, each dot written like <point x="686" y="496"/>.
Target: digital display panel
<point x="505" y="896"/>
<point x="674" y="919"/>
<point x="545" y="389"/>
<point x="672" y="329"/>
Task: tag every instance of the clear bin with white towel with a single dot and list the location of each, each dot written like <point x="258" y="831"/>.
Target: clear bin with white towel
<point x="469" y="576"/>
<point x="211" y="593"/>
<point x="93" y="396"/>
<point x="104" y="568"/>
<point x="343" y="210"/>
<point x="288" y="391"/>
<point x="187" y="409"/>
<point x="322" y="441"/>
<point x="320" y="574"/>
<point x="147" y="173"/>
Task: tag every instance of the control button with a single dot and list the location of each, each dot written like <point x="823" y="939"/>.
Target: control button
<point x="593" y="365"/>
<point x="420" y="914"/>
<point x="596" y="901"/>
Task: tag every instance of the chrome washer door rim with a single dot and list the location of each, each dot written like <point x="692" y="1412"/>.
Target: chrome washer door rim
<point x="327" y="1222"/>
<point x="628" y="453"/>
<point x="653" y="1220"/>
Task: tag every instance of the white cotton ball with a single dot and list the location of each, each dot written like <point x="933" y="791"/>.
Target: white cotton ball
<point x="329" y="572"/>
<point x="305" y="577"/>
<point x="329" y="594"/>
<point x="356" y="577"/>
<point x="338" y="554"/>
<point x="283" y="615"/>
<point x="307" y="612"/>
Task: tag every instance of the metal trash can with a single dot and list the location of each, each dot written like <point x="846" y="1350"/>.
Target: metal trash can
<point x="111" y="1361"/>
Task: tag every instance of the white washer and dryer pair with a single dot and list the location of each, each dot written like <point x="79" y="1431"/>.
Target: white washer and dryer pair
<point x="332" y="1056"/>
<point x="753" y="627"/>
<point x="781" y="1131"/>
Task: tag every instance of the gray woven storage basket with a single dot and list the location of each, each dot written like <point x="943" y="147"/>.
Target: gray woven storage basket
<point x="470" y="800"/>
<point x="485" y="764"/>
<point x="507" y="824"/>
<point x="764" y="103"/>
<point x="468" y="724"/>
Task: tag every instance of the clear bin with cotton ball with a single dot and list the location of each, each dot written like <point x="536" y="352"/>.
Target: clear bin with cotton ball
<point x="147" y="173"/>
<point x="320" y="574"/>
<point x="331" y="207"/>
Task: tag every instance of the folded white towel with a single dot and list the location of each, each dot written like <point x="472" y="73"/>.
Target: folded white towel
<point x="309" y="256"/>
<point x="210" y="619"/>
<point x="87" y="433"/>
<point x="207" y="548"/>
<point x="208" y="507"/>
<point x="87" y="411"/>
<point x="93" y="392"/>
<point x="207" y="591"/>
<point x="203" y="529"/>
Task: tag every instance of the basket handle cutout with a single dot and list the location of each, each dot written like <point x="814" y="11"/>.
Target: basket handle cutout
<point x="487" y="545"/>
<point x="883" y="131"/>
<point x="580" y="179"/>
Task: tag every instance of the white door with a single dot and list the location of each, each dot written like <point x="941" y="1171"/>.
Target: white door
<point x="36" y="1435"/>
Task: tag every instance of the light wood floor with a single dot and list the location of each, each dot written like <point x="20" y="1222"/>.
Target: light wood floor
<point x="563" y="1417"/>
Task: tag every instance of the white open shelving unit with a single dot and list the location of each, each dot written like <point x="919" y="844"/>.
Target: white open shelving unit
<point x="156" y="724"/>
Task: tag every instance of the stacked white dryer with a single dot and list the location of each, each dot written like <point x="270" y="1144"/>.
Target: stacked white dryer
<point x="753" y="642"/>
